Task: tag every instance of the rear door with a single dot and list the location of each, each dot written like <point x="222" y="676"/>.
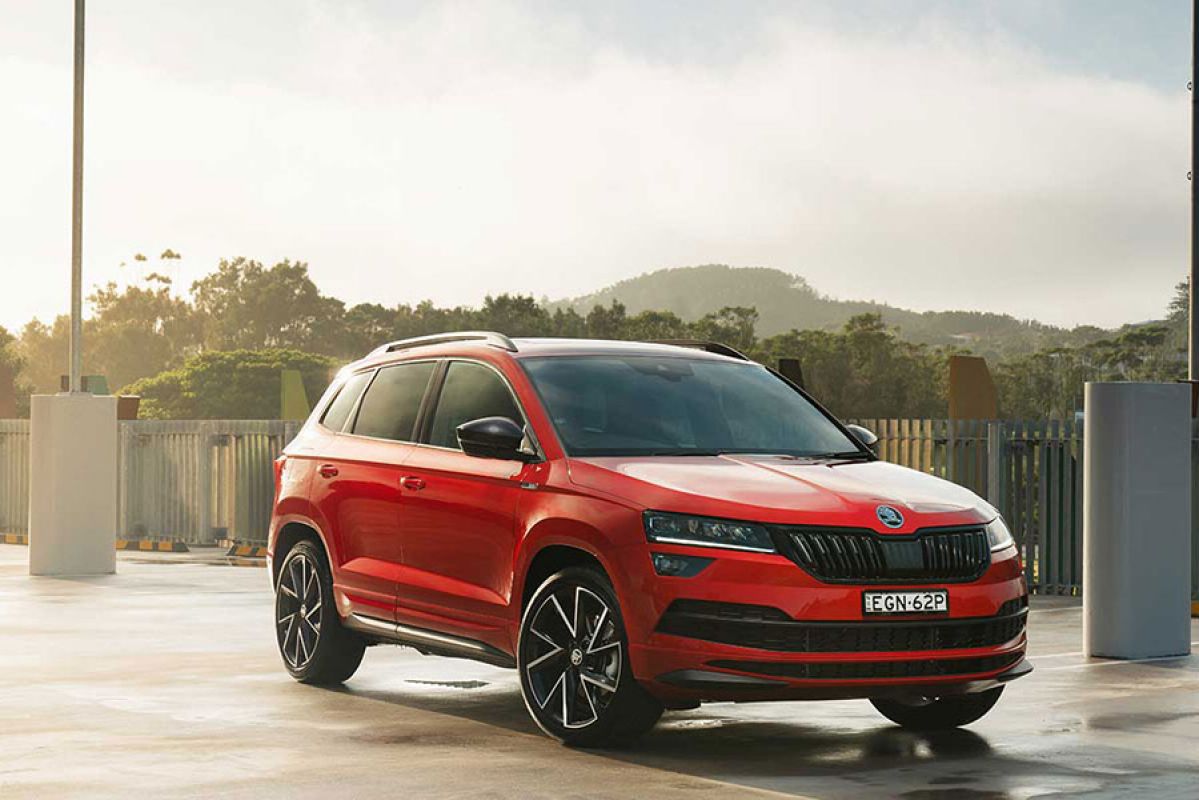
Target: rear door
<point x="357" y="487"/>
<point x="460" y="511"/>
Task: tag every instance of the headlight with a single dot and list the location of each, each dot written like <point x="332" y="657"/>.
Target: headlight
<point x="707" y="532"/>
<point x="998" y="535"/>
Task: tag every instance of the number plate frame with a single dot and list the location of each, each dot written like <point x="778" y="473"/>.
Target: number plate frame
<point x="873" y="602"/>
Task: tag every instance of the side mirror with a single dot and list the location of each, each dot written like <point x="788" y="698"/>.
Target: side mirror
<point x="493" y="437"/>
<point x="865" y="436"/>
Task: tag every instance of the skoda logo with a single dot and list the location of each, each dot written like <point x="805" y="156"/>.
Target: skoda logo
<point x="889" y="516"/>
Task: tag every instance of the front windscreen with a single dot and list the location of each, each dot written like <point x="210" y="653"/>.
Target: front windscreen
<point x="655" y="405"/>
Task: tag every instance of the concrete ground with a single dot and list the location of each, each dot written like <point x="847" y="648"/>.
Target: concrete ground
<point x="163" y="681"/>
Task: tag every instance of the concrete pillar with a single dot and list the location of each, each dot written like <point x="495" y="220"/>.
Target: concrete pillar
<point x="73" y="485"/>
<point x="1136" y="523"/>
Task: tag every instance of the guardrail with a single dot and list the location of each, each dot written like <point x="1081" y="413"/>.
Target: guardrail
<point x="194" y="481"/>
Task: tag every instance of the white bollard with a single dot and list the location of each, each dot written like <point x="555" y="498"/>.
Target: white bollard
<point x="1137" y="520"/>
<point x="72" y="485"/>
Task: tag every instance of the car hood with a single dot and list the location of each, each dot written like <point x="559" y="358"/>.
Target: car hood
<point x="784" y="490"/>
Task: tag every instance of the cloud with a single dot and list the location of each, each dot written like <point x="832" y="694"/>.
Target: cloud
<point x="462" y="149"/>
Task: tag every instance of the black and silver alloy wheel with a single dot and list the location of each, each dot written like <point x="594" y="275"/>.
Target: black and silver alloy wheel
<point x="573" y="661"/>
<point x="574" y="656"/>
<point x="315" y="646"/>
<point x="298" y="611"/>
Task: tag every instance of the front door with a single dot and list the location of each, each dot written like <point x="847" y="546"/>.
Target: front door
<point x="459" y="513"/>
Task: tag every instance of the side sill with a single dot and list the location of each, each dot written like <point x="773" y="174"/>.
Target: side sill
<point x="427" y="641"/>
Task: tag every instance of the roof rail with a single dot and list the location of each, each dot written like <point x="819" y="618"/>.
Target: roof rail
<point x="708" y="347"/>
<point x="490" y="337"/>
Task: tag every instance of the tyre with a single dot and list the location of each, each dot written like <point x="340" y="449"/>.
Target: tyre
<point x="315" y="647"/>
<point x="573" y="659"/>
<point x="951" y="711"/>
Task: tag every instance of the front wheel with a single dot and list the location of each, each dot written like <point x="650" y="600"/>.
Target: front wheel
<point x="315" y="646"/>
<point x="941" y="713"/>
<point x="573" y="658"/>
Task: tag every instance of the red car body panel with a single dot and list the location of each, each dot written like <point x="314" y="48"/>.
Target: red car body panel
<point x="434" y="538"/>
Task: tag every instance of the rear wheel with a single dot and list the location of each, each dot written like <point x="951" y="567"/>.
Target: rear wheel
<point x="574" y="663"/>
<point x="940" y="713"/>
<point x="316" y="648"/>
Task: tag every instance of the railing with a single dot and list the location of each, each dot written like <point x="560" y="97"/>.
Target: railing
<point x="203" y="481"/>
<point x="14" y="476"/>
<point x="194" y="481"/>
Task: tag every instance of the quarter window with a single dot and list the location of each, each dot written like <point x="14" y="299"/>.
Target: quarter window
<point x="471" y="391"/>
<point x="337" y="412"/>
<point x="392" y="402"/>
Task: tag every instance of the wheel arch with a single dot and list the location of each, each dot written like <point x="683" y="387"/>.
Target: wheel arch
<point x="552" y="558"/>
<point x="290" y="534"/>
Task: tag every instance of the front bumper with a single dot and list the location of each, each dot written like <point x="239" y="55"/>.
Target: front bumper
<point x="682" y="665"/>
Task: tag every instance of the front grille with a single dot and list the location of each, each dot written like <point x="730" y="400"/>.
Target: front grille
<point x="866" y="670"/>
<point x="861" y="556"/>
<point x="766" y="628"/>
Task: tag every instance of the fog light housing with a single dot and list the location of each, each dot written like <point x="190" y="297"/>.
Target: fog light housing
<point x="676" y="566"/>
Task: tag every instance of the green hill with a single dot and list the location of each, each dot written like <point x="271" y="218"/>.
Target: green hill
<point x="785" y="301"/>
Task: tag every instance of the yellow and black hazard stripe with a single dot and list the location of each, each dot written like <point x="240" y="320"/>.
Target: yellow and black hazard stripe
<point x="153" y="545"/>
<point x="14" y="538"/>
<point x="247" y="551"/>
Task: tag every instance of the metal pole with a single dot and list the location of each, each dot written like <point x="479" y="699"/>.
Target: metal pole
<point x="76" y="380"/>
<point x="1193" y="338"/>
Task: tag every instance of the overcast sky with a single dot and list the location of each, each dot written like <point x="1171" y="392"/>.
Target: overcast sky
<point x="1025" y="157"/>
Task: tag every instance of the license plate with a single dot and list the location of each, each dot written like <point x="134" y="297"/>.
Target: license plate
<point x="933" y="601"/>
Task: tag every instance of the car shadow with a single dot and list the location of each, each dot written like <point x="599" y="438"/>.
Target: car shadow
<point x="700" y="742"/>
<point x="766" y="749"/>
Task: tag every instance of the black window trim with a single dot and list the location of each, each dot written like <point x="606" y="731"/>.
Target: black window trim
<point x="428" y="409"/>
<point x="323" y="410"/>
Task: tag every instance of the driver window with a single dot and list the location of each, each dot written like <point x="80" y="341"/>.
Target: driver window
<point x="470" y="391"/>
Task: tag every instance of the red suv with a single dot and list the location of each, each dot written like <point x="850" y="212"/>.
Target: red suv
<point x="633" y="527"/>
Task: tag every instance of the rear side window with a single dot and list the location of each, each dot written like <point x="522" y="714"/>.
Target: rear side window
<point x="337" y="412"/>
<point x="470" y="391"/>
<point x="392" y="401"/>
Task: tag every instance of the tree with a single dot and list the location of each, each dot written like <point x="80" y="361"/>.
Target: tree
<point x="44" y="352"/>
<point x="236" y="384"/>
<point x="732" y="325"/>
<point x="865" y="370"/>
<point x="14" y="392"/>
<point x="1180" y="303"/>
<point x="515" y="315"/>
<point x="139" y="331"/>
<point x="606" y="323"/>
<point x="652" y="325"/>
<point x="246" y="305"/>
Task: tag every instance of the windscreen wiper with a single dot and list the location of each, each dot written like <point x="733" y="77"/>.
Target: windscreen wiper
<point x="852" y="455"/>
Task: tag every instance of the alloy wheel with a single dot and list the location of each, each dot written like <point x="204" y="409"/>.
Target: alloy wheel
<point x="298" y="610"/>
<point x="574" y="656"/>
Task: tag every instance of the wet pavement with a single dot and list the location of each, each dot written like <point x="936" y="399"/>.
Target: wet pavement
<point x="163" y="681"/>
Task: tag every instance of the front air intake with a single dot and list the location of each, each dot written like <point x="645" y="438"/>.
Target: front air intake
<point x="861" y="556"/>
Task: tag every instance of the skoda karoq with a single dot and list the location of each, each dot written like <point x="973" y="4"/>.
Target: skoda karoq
<point x="633" y="527"/>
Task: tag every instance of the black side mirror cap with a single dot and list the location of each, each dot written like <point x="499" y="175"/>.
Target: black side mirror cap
<point x="494" y="437"/>
<point x="866" y="436"/>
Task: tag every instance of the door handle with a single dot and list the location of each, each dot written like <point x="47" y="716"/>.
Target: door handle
<point x="412" y="482"/>
<point x="327" y="471"/>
